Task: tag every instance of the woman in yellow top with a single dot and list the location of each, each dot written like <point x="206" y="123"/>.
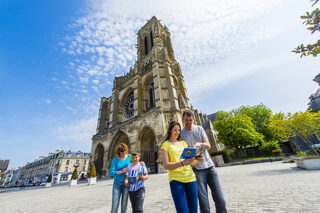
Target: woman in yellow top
<point x="182" y="180"/>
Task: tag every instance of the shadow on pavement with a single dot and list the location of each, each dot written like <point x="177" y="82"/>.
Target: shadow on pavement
<point x="292" y="169"/>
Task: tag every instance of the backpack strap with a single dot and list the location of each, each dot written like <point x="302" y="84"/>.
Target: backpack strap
<point x="130" y="158"/>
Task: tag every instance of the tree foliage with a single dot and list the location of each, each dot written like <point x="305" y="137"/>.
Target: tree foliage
<point x="260" y="115"/>
<point x="93" y="173"/>
<point x="74" y="174"/>
<point x="270" y="148"/>
<point x="302" y="124"/>
<point x="236" y="131"/>
<point x="312" y="20"/>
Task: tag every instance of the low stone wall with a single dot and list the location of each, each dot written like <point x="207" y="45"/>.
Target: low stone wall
<point x="254" y="161"/>
<point x="218" y="160"/>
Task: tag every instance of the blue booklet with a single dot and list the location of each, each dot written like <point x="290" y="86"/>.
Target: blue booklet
<point x="192" y="152"/>
<point x="133" y="179"/>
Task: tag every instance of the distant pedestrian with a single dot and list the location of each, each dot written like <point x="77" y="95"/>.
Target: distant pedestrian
<point x="182" y="180"/>
<point x="205" y="171"/>
<point x="139" y="173"/>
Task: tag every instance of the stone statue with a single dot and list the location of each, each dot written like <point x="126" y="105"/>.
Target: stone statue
<point x="314" y="103"/>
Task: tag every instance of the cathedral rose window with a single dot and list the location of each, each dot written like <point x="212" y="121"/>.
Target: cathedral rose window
<point x="128" y="107"/>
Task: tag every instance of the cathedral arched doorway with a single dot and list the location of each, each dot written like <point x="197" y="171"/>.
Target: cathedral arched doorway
<point x="148" y="151"/>
<point x="120" y="137"/>
<point x="98" y="160"/>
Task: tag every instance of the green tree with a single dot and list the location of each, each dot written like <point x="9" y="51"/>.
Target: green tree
<point x="93" y="173"/>
<point x="74" y="174"/>
<point x="260" y="115"/>
<point x="302" y="124"/>
<point x="49" y="180"/>
<point x="312" y="20"/>
<point x="270" y="148"/>
<point x="236" y="131"/>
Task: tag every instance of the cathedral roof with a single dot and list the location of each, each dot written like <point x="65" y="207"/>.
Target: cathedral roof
<point x="212" y="117"/>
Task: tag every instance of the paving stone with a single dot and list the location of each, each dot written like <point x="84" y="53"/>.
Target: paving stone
<point x="266" y="187"/>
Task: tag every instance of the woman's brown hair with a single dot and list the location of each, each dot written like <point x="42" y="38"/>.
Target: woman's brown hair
<point x="120" y="148"/>
<point x="169" y="131"/>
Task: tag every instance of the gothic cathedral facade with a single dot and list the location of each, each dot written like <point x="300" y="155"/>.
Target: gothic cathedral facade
<point x="143" y="102"/>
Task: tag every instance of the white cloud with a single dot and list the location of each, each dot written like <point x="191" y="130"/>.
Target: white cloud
<point x="92" y="72"/>
<point x="202" y="33"/>
<point x="206" y="35"/>
<point x="84" y="79"/>
<point x="225" y="72"/>
<point x="95" y="82"/>
<point x="64" y="82"/>
<point x="79" y="132"/>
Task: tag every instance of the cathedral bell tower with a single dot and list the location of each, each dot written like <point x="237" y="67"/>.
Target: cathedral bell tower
<point x="156" y="58"/>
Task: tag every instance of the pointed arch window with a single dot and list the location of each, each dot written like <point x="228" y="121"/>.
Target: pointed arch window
<point x="146" y="45"/>
<point x="151" y="39"/>
<point x="151" y="95"/>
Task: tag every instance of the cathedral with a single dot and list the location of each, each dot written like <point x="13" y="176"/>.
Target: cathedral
<point x="143" y="102"/>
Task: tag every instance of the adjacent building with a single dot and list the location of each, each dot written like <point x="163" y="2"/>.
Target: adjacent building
<point x="65" y="165"/>
<point x="314" y="103"/>
<point x="3" y="167"/>
<point x="12" y="176"/>
<point x="7" y="177"/>
<point x="60" y="164"/>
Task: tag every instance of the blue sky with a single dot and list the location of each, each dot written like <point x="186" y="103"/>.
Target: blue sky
<point x="58" y="58"/>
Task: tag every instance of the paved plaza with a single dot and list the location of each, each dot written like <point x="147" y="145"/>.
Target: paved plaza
<point x="264" y="187"/>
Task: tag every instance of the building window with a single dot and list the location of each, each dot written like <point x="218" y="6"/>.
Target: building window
<point x="151" y="94"/>
<point x="151" y="39"/>
<point x="129" y="106"/>
<point x="68" y="161"/>
<point x="85" y="161"/>
<point x="66" y="169"/>
<point x="64" y="177"/>
<point x="57" y="169"/>
<point x="84" y="168"/>
<point x="77" y="161"/>
<point x="146" y="45"/>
